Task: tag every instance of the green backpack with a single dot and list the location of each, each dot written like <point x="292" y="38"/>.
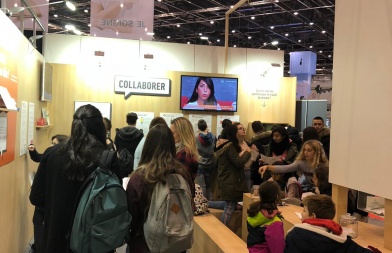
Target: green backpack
<point x="102" y="220"/>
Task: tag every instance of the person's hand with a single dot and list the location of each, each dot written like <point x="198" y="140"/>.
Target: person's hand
<point x="375" y="250"/>
<point x="262" y="169"/>
<point x="254" y="147"/>
<point x="31" y="147"/>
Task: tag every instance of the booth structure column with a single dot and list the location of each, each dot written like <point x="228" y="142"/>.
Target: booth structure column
<point x="303" y="66"/>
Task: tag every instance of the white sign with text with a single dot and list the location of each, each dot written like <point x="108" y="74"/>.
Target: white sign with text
<point x="141" y="85"/>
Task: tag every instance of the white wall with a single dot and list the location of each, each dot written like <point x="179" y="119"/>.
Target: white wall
<point x="127" y="56"/>
<point x="361" y="146"/>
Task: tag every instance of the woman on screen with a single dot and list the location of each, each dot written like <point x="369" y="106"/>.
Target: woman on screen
<point x="203" y="96"/>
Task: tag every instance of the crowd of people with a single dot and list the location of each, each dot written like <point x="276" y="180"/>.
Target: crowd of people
<point x="225" y="167"/>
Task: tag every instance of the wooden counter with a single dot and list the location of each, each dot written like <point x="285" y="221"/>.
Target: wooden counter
<point x="212" y="236"/>
<point x="368" y="234"/>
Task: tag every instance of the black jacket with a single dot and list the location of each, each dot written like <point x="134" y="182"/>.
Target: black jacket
<point x="303" y="238"/>
<point x="128" y="137"/>
<point x="55" y="193"/>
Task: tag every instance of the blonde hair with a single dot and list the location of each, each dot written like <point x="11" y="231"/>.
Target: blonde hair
<point x="319" y="154"/>
<point x="185" y="131"/>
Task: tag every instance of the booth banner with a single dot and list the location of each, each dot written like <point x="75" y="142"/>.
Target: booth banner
<point x="141" y="85"/>
<point x="39" y="7"/>
<point x="127" y="19"/>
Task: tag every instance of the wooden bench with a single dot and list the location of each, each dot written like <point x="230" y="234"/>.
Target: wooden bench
<point x="212" y="236"/>
<point x="235" y="223"/>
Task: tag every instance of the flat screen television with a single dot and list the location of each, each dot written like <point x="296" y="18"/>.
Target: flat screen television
<point x="201" y="93"/>
<point x="46" y="82"/>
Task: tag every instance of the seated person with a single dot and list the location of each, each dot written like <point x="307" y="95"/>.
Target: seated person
<point x="288" y="184"/>
<point x="203" y="96"/>
<point x="318" y="232"/>
<point x="320" y="180"/>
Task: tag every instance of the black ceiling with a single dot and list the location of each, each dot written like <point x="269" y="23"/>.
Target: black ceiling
<point x="293" y="31"/>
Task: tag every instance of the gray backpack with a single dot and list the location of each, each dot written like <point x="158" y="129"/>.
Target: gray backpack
<point x="169" y="224"/>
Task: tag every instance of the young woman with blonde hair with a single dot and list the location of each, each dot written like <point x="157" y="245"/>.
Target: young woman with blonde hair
<point x="186" y="148"/>
<point x="312" y="156"/>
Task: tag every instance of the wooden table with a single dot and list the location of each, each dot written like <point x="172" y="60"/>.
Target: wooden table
<point x="368" y="234"/>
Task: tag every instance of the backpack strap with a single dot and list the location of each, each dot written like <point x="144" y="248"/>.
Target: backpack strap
<point x="106" y="159"/>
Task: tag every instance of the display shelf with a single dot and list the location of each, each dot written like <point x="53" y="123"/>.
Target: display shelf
<point x="7" y="110"/>
<point x="43" y="127"/>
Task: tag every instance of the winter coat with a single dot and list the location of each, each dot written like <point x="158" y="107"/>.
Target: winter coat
<point x="265" y="233"/>
<point x="261" y="139"/>
<point x="231" y="176"/>
<point x="205" y="145"/>
<point x="57" y="195"/>
<point x="310" y="238"/>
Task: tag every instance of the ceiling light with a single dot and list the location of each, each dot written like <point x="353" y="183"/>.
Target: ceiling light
<point x="265" y="43"/>
<point x="70" y="5"/>
<point x="299" y="41"/>
<point x="188" y="43"/>
<point x="55" y="15"/>
<point x="70" y="27"/>
<point x="121" y="5"/>
<point x="204" y="37"/>
<point x="233" y="31"/>
<point x="278" y="48"/>
<point x="249" y="37"/>
<point x="150" y="33"/>
<point x="272" y="27"/>
<point x="320" y="51"/>
<point x="252" y="17"/>
<point x="329" y="55"/>
<point x="232" y="6"/>
<point x="168" y="37"/>
<point x="235" y="46"/>
<point x="89" y="25"/>
<point x="200" y="34"/>
<point x="310" y="46"/>
<point x="311" y="23"/>
<point x="218" y="40"/>
<point x="286" y="34"/>
<point x="86" y="11"/>
<point x="178" y="25"/>
<point x="295" y="13"/>
<point x="274" y="43"/>
<point x="159" y="0"/>
<point x="323" y="31"/>
<point x="211" y="22"/>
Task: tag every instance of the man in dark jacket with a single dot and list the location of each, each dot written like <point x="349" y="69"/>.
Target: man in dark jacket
<point x="323" y="132"/>
<point x="127" y="139"/>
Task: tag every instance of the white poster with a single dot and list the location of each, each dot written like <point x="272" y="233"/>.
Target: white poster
<point x="104" y="107"/>
<point x="144" y="120"/>
<point x="31" y="124"/>
<point x="128" y="19"/>
<point x="23" y="129"/>
<point x="220" y="118"/>
<point x="194" y="118"/>
<point x="168" y="117"/>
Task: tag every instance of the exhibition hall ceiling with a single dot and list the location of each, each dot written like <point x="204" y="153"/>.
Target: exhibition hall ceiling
<point x="297" y="25"/>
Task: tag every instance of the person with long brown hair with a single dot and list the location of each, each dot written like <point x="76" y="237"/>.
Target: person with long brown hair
<point x="158" y="160"/>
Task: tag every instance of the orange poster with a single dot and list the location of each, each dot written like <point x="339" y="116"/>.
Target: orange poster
<point x="8" y="80"/>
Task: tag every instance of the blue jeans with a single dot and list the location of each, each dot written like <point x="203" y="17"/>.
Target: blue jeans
<point x="228" y="211"/>
<point x="203" y="179"/>
<point x="217" y="204"/>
